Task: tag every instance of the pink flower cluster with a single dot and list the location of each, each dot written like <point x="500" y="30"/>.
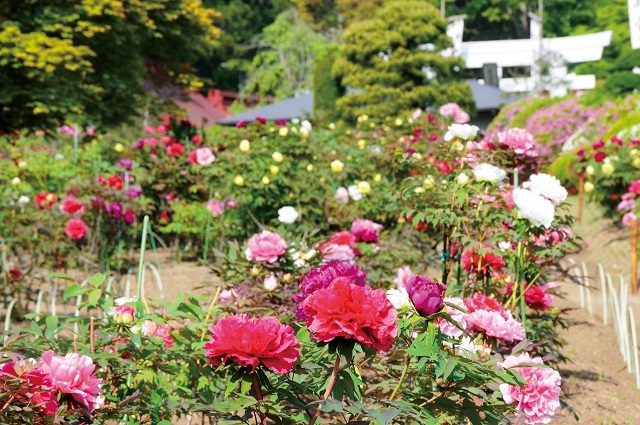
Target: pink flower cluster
<point x="453" y="110"/>
<point x="40" y="383"/>
<point x="539" y="399"/>
<point x="265" y="246"/>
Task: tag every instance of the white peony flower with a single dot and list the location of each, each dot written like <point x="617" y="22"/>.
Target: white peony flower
<point x="398" y="298"/>
<point x="123" y="300"/>
<point x="534" y="207"/>
<point x="354" y="192"/>
<point x="16" y="180"/>
<point x="306" y="124"/>
<point x="287" y="215"/>
<point x="504" y="246"/>
<point x="547" y="186"/>
<point x="270" y="283"/>
<point x="462" y="179"/>
<point x="461" y="131"/>
<point x="489" y="173"/>
<point x="469" y="347"/>
<point x="342" y="195"/>
<point x="23" y="199"/>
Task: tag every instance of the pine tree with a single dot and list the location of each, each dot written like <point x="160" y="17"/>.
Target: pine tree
<point x="394" y="63"/>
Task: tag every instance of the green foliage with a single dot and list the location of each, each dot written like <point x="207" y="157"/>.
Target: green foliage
<point x="622" y="82"/>
<point x="327" y="15"/>
<point x="628" y="60"/>
<point x="326" y="89"/>
<point x="89" y="60"/>
<point x="385" y="65"/>
<point x="289" y="49"/>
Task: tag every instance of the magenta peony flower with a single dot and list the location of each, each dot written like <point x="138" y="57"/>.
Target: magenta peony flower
<point x="216" y="207"/>
<point x="115" y="209"/>
<point x="72" y="206"/>
<point x="73" y="375"/>
<point x="265" y="246"/>
<point x="426" y="295"/>
<point x="125" y="163"/>
<point x="252" y="342"/>
<point x="241" y="123"/>
<point x="540" y="398"/>
<point x="133" y="192"/>
<point x="76" y="228"/>
<point x="321" y="277"/>
<point x="494" y="324"/>
<point x="346" y="310"/>
<point x="230" y="203"/>
<point x="129" y="217"/>
<point x="365" y="230"/>
<point x="204" y="156"/>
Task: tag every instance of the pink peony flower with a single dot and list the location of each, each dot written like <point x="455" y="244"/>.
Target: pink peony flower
<point x="365" y="230"/>
<point x="192" y="158"/>
<point x="449" y="328"/>
<point x="36" y="389"/>
<point x="265" y="246"/>
<point x="340" y="238"/>
<point x="73" y="375"/>
<point x="216" y="207"/>
<point x="270" y="283"/>
<point x="628" y="219"/>
<point x="321" y="277"/>
<point x="634" y="187"/>
<point x="405" y="274"/>
<point x="494" y="324"/>
<point x="196" y="139"/>
<point x="204" y="156"/>
<point x="76" y="228"/>
<point x="480" y="301"/>
<point x="453" y="110"/>
<point x="539" y="399"/>
<point x="342" y="195"/>
<point x="342" y="253"/>
<point x="520" y="141"/>
<point x="72" y="206"/>
<point x="346" y="310"/>
<point x="252" y="342"/>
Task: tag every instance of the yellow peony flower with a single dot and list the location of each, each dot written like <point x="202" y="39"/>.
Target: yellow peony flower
<point x="265" y="180"/>
<point x="636" y="162"/>
<point x="283" y="131"/>
<point x="377" y="177"/>
<point x="398" y="122"/>
<point x="364" y="187"/>
<point x="362" y="143"/>
<point x="337" y="166"/>
<point x="332" y="126"/>
<point x="310" y="167"/>
<point x="588" y="187"/>
<point x="429" y="182"/>
<point x="274" y="169"/>
<point x="119" y="147"/>
<point x="238" y="180"/>
<point x="277" y="156"/>
<point x="608" y="169"/>
<point x="590" y="170"/>
<point x="245" y="145"/>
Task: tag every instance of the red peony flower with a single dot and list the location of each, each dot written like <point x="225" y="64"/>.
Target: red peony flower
<point x="535" y="297"/>
<point x="164" y="217"/>
<point x="76" y="228"/>
<point x="192" y="158"/>
<point x="72" y="206"/>
<point x="446" y="168"/>
<point x="15" y="275"/>
<point x="250" y="343"/>
<point x="340" y="238"/>
<point x="346" y="310"/>
<point x="196" y="139"/>
<point x="36" y="389"/>
<point x="481" y="264"/>
<point x="115" y="182"/>
<point x="45" y="200"/>
<point x="599" y="156"/>
<point x="175" y="149"/>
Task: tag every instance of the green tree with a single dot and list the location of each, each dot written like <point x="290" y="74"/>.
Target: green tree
<point x="334" y="14"/>
<point x="90" y="59"/>
<point x="284" y="65"/>
<point x="397" y="68"/>
<point x="225" y="65"/>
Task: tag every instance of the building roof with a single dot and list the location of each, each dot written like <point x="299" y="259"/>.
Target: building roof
<point x="490" y="97"/>
<point x="294" y="107"/>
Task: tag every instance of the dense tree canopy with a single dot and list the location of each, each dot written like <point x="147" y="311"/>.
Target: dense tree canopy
<point x="398" y="68"/>
<point x="60" y="58"/>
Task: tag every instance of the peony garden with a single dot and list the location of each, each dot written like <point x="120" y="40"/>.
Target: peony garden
<point x="388" y="259"/>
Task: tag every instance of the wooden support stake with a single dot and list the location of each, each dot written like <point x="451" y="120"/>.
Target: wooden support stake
<point x="634" y="256"/>
<point x="580" y="196"/>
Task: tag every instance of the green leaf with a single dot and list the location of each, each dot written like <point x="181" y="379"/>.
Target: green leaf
<point x="60" y="276"/>
<point x="73" y="291"/>
<point x="94" y="296"/>
<point x="97" y="279"/>
<point x="51" y="326"/>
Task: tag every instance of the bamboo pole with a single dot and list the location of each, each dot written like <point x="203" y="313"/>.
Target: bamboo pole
<point x="634" y="256"/>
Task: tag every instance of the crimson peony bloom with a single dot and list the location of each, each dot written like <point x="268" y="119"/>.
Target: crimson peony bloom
<point x="265" y="246"/>
<point x="76" y="228"/>
<point x="115" y="182"/>
<point x="346" y="310"/>
<point x="36" y="387"/>
<point x="535" y="297"/>
<point x="45" y="200"/>
<point x="73" y="375"/>
<point x="340" y="238"/>
<point x="539" y="399"/>
<point x="481" y="264"/>
<point x="322" y="277"/>
<point x="426" y="295"/>
<point x="261" y="119"/>
<point x="192" y="158"/>
<point x="241" y="123"/>
<point x="365" y="230"/>
<point x="129" y="217"/>
<point x="72" y="206"/>
<point x="196" y="139"/>
<point x="599" y="156"/>
<point x="175" y="149"/>
<point x="252" y="342"/>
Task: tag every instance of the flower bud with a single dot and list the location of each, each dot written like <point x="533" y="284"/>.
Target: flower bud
<point x="426" y="295"/>
<point x="238" y="180"/>
<point x="124" y="315"/>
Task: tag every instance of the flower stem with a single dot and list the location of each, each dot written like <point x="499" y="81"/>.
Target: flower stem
<point x="258" y="395"/>
<point x="327" y="392"/>
<point x="404" y="375"/>
<point x="209" y="310"/>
